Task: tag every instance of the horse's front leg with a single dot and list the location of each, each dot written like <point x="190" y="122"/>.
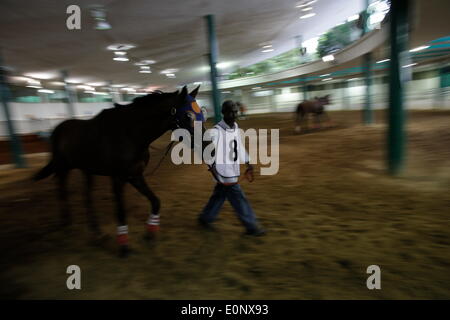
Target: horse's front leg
<point x="90" y="212"/>
<point x="139" y="183"/>
<point x="66" y="217"/>
<point x="122" y="227"/>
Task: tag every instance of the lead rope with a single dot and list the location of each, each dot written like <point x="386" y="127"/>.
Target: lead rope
<point x="163" y="157"/>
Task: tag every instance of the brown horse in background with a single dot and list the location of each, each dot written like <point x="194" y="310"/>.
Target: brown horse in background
<point x="315" y="107"/>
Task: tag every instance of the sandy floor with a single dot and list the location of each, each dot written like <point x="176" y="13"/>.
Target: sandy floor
<point x="330" y="213"/>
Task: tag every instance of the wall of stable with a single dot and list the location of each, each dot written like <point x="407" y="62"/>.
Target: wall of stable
<point x="420" y="94"/>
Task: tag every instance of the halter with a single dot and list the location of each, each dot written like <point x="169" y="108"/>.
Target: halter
<point x="191" y="107"/>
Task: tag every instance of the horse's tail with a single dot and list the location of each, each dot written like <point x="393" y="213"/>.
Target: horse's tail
<point x="46" y="171"/>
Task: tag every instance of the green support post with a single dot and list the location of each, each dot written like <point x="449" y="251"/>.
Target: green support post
<point x="305" y="91"/>
<point x="15" y="145"/>
<point x="69" y="96"/>
<point x="213" y="52"/>
<point x="399" y="50"/>
<point x="367" y="67"/>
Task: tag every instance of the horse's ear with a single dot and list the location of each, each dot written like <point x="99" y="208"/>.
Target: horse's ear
<point x="194" y="92"/>
<point x="184" y="93"/>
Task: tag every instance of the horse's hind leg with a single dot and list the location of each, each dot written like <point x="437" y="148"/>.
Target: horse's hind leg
<point x="122" y="228"/>
<point x="91" y="216"/>
<point x="153" y="221"/>
<point x="66" y="218"/>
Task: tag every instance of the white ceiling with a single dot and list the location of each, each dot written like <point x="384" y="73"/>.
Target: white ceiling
<point x="35" y="39"/>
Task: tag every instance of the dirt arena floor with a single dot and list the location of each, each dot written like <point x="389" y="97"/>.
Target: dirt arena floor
<point x="330" y="212"/>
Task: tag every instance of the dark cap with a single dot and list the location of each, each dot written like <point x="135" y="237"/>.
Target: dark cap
<point x="227" y="104"/>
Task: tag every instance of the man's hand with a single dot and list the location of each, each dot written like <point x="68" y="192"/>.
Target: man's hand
<point x="249" y="173"/>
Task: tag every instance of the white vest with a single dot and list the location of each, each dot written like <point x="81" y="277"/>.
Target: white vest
<point x="229" y="153"/>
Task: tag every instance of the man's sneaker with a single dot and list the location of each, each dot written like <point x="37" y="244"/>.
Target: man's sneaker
<point x="206" y="225"/>
<point x="256" y="232"/>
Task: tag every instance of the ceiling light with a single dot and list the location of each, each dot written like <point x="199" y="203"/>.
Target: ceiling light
<point x="419" y="48"/>
<point x="353" y="18"/>
<point x="256" y="88"/>
<point x="223" y="65"/>
<point x="145" y="67"/>
<point x="328" y="58"/>
<point x="145" y="71"/>
<point x="57" y="83"/>
<point x="33" y="82"/>
<point x="267" y="46"/>
<point x="305" y="4"/>
<point x="102" y="25"/>
<point x="168" y="71"/>
<point x="120" y="53"/>
<point x="121" y="59"/>
<point x="267" y="50"/>
<point x="42" y="75"/>
<point x="309" y="15"/>
<point x="385" y="60"/>
<point x="120" y="47"/>
<point x="353" y="79"/>
<point x="307" y="9"/>
<point x="170" y="74"/>
<point x="409" y="65"/>
<point x="34" y="86"/>
<point x="46" y="91"/>
<point x="96" y="84"/>
<point x="325" y="75"/>
<point x="327" y="79"/>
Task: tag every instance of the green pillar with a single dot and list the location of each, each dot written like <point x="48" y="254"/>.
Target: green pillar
<point x="69" y="95"/>
<point x="396" y="116"/>
<point x="14" y="141"/>
<point x="367" y="69"/>
<point x="345" y="98"/>
<point x="305" y="91"/>
<point x="213" y="52"/>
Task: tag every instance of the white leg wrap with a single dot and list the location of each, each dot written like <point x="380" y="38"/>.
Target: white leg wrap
<point x="122" y="230"/>
<point x="153" y="219"/>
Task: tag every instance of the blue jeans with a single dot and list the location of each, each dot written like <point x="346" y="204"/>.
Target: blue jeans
<point x="237" y="198"/>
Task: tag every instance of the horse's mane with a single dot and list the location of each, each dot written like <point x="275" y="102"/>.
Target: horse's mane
<point x="148" y="100"/>
<point x="153" y="97"/>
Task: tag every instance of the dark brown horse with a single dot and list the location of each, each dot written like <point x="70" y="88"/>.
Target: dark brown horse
<point x="115" y="143"/>
<point x="316" y="107"/>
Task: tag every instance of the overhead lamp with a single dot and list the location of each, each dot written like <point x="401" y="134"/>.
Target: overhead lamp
<point x="409" y="65"/>
<point x="305" y="4"/>
<point x="419" y="48"/>
<point x="98" y="12"/>
<point x="328" y="58"/>
<point x="120" y="47"/>
<point x="145" y="71"/>
<point x="120" y="53"/>
<point x="46" y="91"/>
<point x="307" y="9"/>
<point x="353" y="18"/>
<point x="325" y="75"/>
<point x="166" y="71"/>
<point x="308" y="15"/>
<point x="382" y="61"/>
<point x="145" y="67"/>
<point x="121" y="59"/>
<point x="327" y="79"/>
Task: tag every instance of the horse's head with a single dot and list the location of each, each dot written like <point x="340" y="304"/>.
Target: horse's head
<point x="188" y="112"/>
<point x="324" y="100"/>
